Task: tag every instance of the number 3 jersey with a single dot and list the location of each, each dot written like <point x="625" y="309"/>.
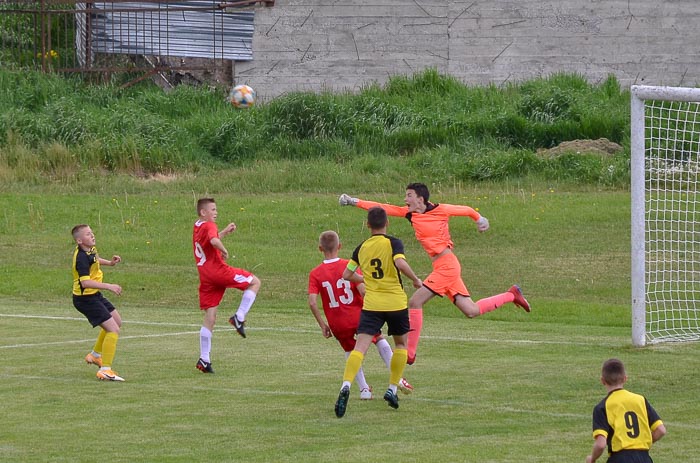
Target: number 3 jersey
<point x="383" y="287"/>
<point x="626" y="420"/>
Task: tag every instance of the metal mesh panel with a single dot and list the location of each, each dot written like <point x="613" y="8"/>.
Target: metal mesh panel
<point x="126" y="35"/>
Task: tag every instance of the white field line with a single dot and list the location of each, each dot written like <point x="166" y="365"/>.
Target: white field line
<point x="413" y="398"/>
<point x="280" y="330"/>
<point x="248" y="392"/>
<point x="80" y="341"/>
<point x="439" y="402"/>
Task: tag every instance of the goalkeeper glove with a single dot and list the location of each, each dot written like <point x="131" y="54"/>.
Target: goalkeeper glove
<point x="482" y="224"/>
<point x="346" y="200"/>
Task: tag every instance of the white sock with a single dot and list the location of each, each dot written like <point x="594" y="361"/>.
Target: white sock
<point x="204" y="344"/>
<point x="393" y="388"/>
<point x="385" y="352"/>
<point x="360" y="380"/>
<point x="245" y="305"/>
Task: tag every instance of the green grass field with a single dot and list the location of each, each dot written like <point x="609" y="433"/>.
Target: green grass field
<point x="505" y="387"/>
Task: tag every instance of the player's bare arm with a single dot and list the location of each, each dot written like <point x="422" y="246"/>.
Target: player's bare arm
<point x="348" y="274"/>
<point x="406" y="269"/>
<point x="216" y="242"/>
<point x="356" y="278"/>
<point x="230" y="228"/>
<point x="116" y="289"/>
<point x="361" y="289"/>
<point x="598" y="447"/>
<point x="313" y="305"/>
<point x="111" y="263"/>
<point x="658" y="433"/>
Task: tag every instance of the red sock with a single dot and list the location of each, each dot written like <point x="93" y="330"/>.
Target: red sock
<point x="488" y="304"/>
<point x="415" y="317"/>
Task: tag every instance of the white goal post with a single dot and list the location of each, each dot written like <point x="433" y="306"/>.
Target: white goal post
<point x="665" y="174"/>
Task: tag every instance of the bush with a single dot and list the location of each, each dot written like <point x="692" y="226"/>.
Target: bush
<point x="449" y="129"/>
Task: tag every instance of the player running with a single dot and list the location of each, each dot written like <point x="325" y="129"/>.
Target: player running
<point x="342" y="303"/>
<point x="430" y="222"/>
<point x="382" y="261"/>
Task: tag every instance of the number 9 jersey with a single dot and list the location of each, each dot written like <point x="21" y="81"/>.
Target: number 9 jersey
<point x="626" y="420"/>
<point x="214" y="274"/>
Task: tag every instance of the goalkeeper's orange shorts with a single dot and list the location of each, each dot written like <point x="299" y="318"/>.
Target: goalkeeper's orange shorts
<point x="446" y="277"/>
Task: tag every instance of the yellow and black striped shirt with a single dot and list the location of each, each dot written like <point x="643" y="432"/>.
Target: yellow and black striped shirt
<point x="86" y="266"/>
<point x="375" y="256"/>
<point x="626" y="420"/>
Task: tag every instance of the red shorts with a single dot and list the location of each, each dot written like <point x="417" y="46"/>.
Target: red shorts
<point x="446" y="277"/>
<point x="346" y="338"/>
<point x="212" y="288"/>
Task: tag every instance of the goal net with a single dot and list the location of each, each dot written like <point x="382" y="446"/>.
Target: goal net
<point x="665" y="214"/>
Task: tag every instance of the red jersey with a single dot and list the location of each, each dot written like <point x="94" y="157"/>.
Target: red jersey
<point x="215" y="275"/>
<point x="432" y="226"/>
<point x="208" y="259"/>
<point x="341" y="300"/>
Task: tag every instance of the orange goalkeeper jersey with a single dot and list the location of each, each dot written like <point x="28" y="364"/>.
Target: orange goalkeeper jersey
<point x="431" y="227"/>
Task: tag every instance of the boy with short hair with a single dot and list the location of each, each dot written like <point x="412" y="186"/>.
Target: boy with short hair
<point x="342" y="303"/>
<point x="215" y="276"/>
<point x="381" y="259"/>
<point x="430" y="222"/>
<point x="88" y="300"/>
<point x="623" y="421"/>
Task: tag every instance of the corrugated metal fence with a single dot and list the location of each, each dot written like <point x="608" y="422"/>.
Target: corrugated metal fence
<point x="125" y="35"/>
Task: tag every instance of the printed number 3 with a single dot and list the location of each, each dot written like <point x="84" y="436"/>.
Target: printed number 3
<point x="378" y="272"/>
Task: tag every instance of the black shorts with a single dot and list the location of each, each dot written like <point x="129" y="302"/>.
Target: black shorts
<point x="96" y="308"/>
<point x="630" y="456"/>
<point x="371" y="322"/>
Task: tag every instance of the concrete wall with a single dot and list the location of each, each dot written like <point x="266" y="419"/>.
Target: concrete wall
<point x="336" y="45"/>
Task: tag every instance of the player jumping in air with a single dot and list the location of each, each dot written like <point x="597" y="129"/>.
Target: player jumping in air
<point x="430" y="223"/>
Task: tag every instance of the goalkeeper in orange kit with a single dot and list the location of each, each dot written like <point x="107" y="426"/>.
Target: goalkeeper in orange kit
<point x="430" y="222"/>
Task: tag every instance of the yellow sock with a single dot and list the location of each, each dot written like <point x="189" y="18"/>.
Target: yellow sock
<point x="100" y="340"/>
<point x="353" y="365"/>
<point x="398" y="364"/>
<point x="109" y="348"/>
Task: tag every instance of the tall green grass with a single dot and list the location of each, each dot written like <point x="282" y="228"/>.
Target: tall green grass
<point x="453" y="132"/>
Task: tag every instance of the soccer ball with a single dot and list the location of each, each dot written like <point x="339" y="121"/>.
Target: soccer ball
<point x="242" y="96"/>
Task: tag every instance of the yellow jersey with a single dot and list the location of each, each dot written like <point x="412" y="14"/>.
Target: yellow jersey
<point x="383" y="287"/>
<point x="86" y="266"/>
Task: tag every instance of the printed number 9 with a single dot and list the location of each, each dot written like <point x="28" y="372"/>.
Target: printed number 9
<point x="199" y="254"/>
<point x="632" y="423"/>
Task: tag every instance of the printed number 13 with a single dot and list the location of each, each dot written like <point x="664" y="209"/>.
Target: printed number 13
<point x="345" y="298"/>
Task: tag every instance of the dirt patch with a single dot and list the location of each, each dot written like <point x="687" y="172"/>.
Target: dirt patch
<point x="601" y="146"/>
<point x="161" y="178"/>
